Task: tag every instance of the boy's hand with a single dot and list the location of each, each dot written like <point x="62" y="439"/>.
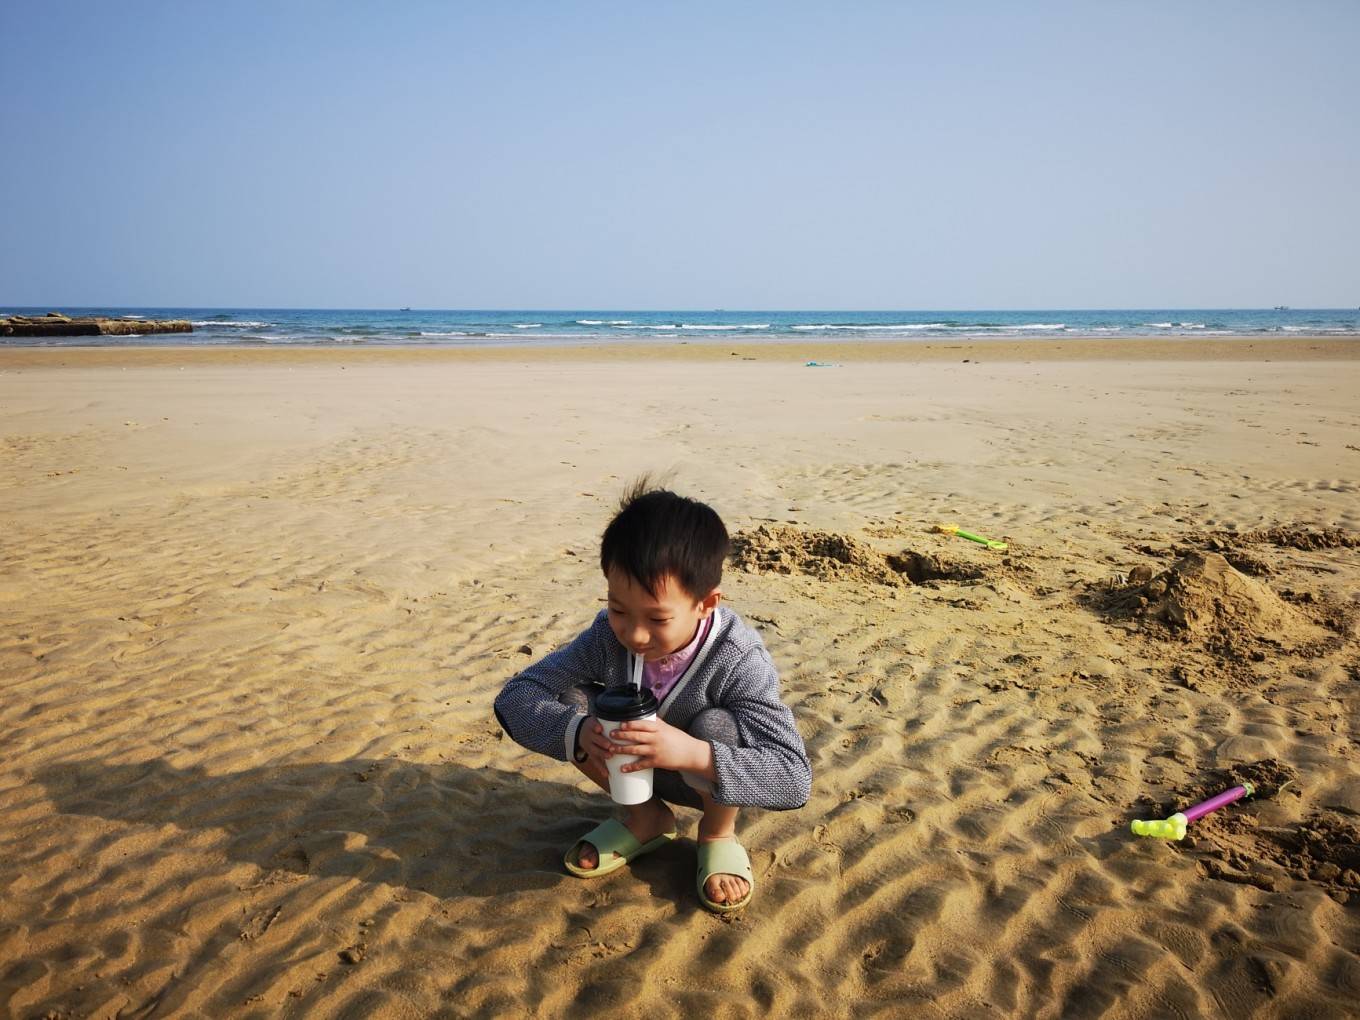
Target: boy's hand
<point x="657" y="744"/>
<point x="591" y="739"/>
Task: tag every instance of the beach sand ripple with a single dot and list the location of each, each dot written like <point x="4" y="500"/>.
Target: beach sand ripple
<point x="256" y="614"/>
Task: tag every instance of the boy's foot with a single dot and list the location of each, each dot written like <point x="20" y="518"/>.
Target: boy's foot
<point x="724" y="888"/>
<point x="645" y="821"/>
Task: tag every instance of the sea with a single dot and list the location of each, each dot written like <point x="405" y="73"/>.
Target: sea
<point x="536" y="328"/>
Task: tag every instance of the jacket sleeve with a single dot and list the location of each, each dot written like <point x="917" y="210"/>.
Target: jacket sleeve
<point x="528" y="707"/>
<point x="770" y="769"/>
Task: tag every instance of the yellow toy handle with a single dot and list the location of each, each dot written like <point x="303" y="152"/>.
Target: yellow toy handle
<point x="1161" y="828"/>
<point x="954" y="529"/>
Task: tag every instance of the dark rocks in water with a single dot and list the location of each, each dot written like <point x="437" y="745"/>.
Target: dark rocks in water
<point x="56" y="324"/>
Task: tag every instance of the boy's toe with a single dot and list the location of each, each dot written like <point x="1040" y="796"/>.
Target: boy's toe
<point x="588" y="857"/>
<point x="726" y="888"/>
<point x="724" y="867"/>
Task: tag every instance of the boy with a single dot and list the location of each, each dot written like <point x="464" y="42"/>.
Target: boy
<point x="722" y="739"/>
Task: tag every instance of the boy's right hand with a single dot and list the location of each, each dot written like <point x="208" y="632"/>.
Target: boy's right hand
<point x="591" y="739"/>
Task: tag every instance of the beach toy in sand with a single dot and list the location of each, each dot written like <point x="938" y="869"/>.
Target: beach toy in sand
<point x="1174" y="827"/>
<point x="954" y="529"/>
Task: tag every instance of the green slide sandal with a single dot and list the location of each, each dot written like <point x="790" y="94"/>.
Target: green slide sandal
<point x="611" y="837"/>
<point x="724" y="857"/>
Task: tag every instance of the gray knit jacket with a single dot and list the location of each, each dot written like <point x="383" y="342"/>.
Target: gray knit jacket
<point x="730" y="670"/>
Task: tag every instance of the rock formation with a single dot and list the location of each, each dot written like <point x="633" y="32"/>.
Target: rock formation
<point x="56" y="324"/>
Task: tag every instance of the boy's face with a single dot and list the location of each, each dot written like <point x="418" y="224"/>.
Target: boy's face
<point x="654" y="626"/>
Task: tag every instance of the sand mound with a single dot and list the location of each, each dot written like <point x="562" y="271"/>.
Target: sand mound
<point x="1308" y="539"/>
<point x="1224" y="543"/>
<point x="1323" y="849"/>
<point x="1233" y="846"/>
<point x="1281" y="536"/>
<point x="821" y="554"/>
<point x="1327" y="848"/>
<point x="829" y="556"/>
<point x="1203" y="597"/>
<point x="1269" y="777"/>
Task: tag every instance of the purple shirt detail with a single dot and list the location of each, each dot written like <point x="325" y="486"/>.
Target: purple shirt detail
<point x="660" y="676"/>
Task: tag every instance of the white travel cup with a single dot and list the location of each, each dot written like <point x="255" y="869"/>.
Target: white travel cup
<point x="617" y="705"/>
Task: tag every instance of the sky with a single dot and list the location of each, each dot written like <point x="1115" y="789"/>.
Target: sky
<point x="760" y="155"/>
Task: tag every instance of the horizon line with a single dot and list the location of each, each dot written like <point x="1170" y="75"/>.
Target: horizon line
<point x="56" y="306"/>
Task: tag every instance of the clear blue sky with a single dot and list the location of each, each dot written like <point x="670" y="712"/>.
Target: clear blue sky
<point x="680" y="155"/>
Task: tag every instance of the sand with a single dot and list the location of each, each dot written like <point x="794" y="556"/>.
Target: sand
<point x="257" y="605"/>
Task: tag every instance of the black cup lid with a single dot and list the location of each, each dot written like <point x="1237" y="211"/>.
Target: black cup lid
<point x="620" y="704"/>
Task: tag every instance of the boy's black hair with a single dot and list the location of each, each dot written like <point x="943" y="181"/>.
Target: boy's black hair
<point x="657" y="533"/>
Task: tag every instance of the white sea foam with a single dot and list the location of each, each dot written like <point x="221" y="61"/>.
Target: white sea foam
<point x="700" y="326"/>
<point x="882" y="327"/>
<point x="1192" y="325"/>
<point x="749" y="325"/>
<point x="220" y="322"/>
<point x="523" y="339"/>
<point x="604" y="322"/>
<point x="894" y="327"/>
<point x="455" y="333"/>
<point x="1158" y="325"/>
<point x="528" y="325"/>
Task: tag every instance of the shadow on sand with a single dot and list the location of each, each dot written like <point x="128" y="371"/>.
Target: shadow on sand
<point x="447" y="830"/>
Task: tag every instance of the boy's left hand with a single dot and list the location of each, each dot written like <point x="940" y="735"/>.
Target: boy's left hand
<point x="657" y="744"/>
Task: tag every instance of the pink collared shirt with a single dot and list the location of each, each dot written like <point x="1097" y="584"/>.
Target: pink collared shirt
<point x="660" y="676"/>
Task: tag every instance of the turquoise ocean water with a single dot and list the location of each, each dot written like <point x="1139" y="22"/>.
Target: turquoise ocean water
<point x="278" y="326"/>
